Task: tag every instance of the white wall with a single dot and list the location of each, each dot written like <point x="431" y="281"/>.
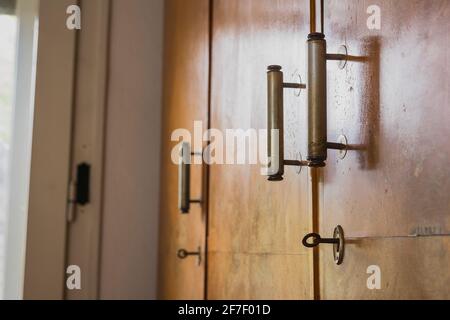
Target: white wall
<point x="132" y="152"/>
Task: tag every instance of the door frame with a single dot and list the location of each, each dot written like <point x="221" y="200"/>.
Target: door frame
<point x="69" y="116"/>
<point x="46" y="234"/>
<point x="88" y="137"/>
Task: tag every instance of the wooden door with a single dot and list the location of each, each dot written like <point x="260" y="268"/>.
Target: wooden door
<point x="390" y="194"/>
<point x="186" y="83"/>
<point x="255" y="226"/>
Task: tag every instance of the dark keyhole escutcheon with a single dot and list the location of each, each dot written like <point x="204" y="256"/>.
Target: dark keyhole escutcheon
<point x="338" y="242"/>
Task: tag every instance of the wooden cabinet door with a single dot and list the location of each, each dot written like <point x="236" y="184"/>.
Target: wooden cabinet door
<point x="390" y="194"/>
<point x="186" y="83"/>
<point x="255" y="226"/>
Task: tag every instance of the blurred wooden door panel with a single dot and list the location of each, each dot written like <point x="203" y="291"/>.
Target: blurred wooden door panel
<point x="259" y="276"/>
<point x="410" y="268"/>
<point x="186" y="83"/>
<point x="393" y="107"/>
<point x="255" y="225"/>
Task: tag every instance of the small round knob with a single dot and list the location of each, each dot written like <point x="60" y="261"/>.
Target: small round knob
<point x="274" y="68"/>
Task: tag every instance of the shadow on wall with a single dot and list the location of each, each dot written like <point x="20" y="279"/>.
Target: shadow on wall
<point x="368" y="151"/>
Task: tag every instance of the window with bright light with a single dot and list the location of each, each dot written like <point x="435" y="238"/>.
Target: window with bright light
<point x="18" y="46"/>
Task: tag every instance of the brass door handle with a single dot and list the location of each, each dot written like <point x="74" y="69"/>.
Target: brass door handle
<point x="184" y="178"/>
<point x="183" y="254"/>
<point x="275" y="124"/>
<point x="318" y="144"/>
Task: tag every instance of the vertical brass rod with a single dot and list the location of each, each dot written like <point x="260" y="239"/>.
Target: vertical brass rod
<point x="275" y="140"/>
<point x="321" y="17"/>
<point x="312" y="15"/>
<point x="314" y="190"/>
<point x="317" y="100"/>
<point x="316" y="13"/>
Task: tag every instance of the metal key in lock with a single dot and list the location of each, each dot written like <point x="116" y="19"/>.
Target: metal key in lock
<point x="338" y="242"/>
<point x="183" y="254"/>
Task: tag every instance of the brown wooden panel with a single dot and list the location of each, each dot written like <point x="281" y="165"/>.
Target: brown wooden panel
<point x="255" y="225"/>
<point x="411" y="268"/>
<point x="392" y="104"/>
<point x="259" y="276"/>
<point x="185" y="100"/>
<point x="394" y="109"/>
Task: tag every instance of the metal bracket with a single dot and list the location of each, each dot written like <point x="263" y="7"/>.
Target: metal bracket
<point x="184" y="178"/>
<point x="83" y="183"/>
<point x="79" y="190"/>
